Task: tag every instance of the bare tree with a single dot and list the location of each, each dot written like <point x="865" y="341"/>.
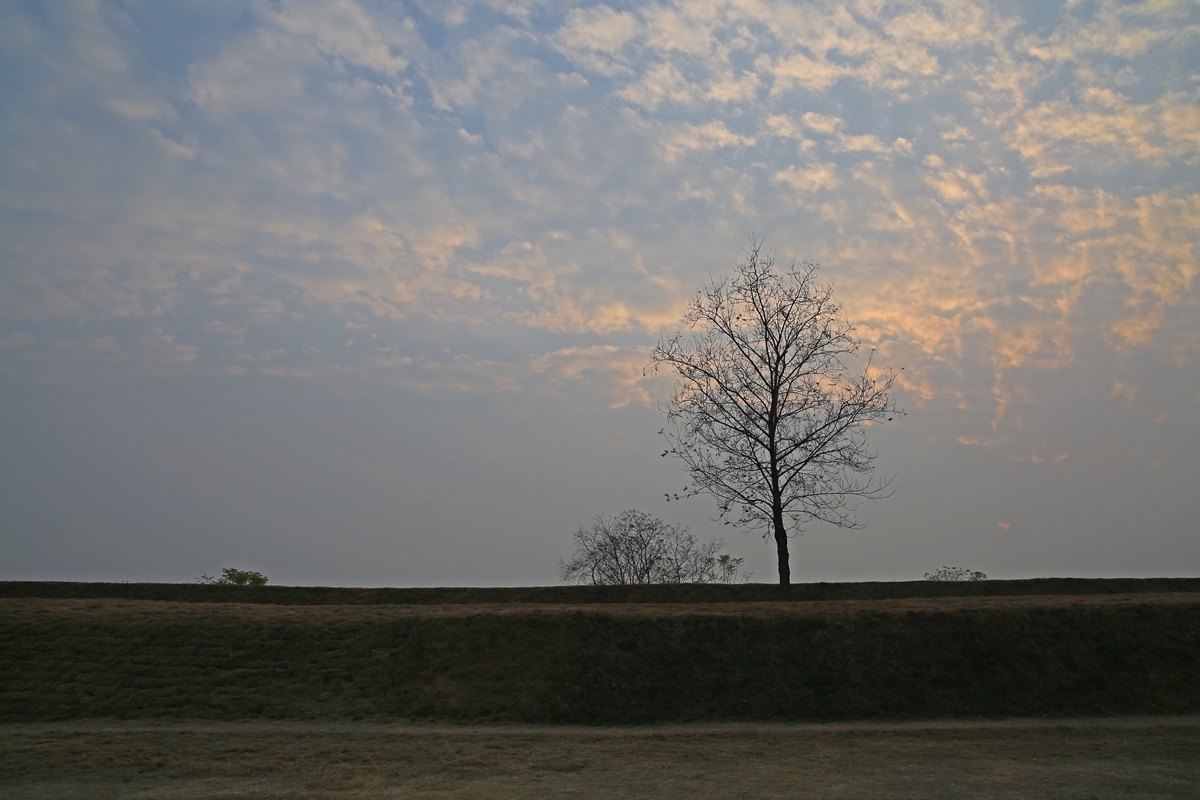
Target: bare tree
<point x="767" y="414"/>
<point x="635" y="547"/>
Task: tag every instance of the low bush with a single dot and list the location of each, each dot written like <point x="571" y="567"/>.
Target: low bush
<point x="231" y="576"/>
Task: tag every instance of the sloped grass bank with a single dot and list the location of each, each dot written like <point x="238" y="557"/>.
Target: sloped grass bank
<point x="926" y="658"/>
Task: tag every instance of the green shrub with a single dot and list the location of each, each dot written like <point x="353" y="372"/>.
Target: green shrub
<point x="231" y="576"/>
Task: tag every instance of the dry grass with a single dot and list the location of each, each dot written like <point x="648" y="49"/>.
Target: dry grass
<point x="1095" y="759"/>
<point x="132" y="612"/>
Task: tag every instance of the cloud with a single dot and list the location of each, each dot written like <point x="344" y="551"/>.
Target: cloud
<point x="662" y="82"/>
<point x="731" y="88"/>
<point x="599" y="29"/>
<point x="685" y="138"/>
<point x="832" y="128"/>
<point x="99" y="348"/>
<point x="801" y="71"/>
<point x="821" y="123"/>
<point x="810" y="179"/>
<point x="1124" y="30"/>
<point x="344" y="30"/>
<point x="18" y="339"/>
<point x="162" y="350"/>
<point x="614" y="372"/>
<point x="436" y="244"/>
<point x="956" y="185"/>
<point x="1053" y="135"/>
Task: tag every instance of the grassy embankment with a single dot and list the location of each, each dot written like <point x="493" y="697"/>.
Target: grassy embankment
<point x="595" y="655"/>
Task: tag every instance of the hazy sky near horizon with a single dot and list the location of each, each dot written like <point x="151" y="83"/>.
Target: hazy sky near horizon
<point x="360" y="293"/>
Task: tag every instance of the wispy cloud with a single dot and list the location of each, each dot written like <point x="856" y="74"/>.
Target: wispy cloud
<point x="992" y="193"/>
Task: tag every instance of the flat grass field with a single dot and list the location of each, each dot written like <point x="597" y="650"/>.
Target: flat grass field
<point x="1053" y="688"/>
<point x="1091" y="759"/>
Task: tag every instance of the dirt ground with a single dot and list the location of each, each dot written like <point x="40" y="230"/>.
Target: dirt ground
<point x="1155" y="757"/>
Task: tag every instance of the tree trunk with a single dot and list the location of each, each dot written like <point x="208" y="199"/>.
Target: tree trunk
<point x="781" y="547"/>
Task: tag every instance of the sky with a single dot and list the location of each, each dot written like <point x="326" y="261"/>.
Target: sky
<point x="361" y="293"/>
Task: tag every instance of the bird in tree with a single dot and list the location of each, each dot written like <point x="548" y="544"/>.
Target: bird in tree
<point x="769" y="414"/>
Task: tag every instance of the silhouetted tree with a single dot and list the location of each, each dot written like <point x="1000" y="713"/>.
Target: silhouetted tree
<point x="766" y="414"/>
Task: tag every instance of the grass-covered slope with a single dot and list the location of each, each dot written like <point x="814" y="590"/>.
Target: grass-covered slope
<point x="874" y="659"/>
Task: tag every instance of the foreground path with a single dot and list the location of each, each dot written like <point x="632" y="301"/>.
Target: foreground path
<point x="1148" y="757"/>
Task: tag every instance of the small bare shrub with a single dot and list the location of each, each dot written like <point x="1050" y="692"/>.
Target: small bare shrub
<point x="634" y="548"/>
